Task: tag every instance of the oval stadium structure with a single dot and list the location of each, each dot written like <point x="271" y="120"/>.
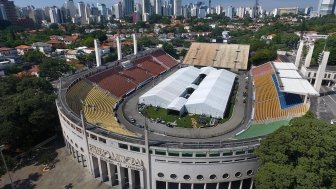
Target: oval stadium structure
<point x="106" y="130"/>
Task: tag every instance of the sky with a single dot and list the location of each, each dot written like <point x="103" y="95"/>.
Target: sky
<point x="267" y="4"/>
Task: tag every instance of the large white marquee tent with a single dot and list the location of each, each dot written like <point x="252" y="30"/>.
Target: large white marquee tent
<point x="210" y="97"/>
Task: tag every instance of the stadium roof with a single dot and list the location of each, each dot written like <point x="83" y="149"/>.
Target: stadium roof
<point x="291" y="81"/>
<point x="209" y="98"/>
<point x="232" y="56"/>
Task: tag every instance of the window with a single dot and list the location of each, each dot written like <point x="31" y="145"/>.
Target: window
<point x="214" y="154"/>
<point x="82" y="149"/>
<point x="226" y="176"/>
<point x="227" y="154"/>
<point x="309" y="74"/>
<point x="186" y="177"/>
<point x="173" y="176"/>
<point x="161" y="175"/>
<point x="187" y="154"/>
<point x="213" y="177"/>
<point x="201" y="155"/>
<point x="175" y="154"/>
<point x="134" y="148"/>
<point x="159" y="152"/>
<point x="123" y="146"/>
<point x="94" y="137"/>
<point x="249" y="172"/>
<point x="102" y="140"/>
<point x="250" y="151"/>
<point x="238" y="174"/>
<point x="199" y="177"/>
<point x="240" y="152"/>
<point x="76" y="145"/>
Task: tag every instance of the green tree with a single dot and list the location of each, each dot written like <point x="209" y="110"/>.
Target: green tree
<point x="301" y="155"/>
<point x="33" y="56"/>
<point x="28" y="114"/>
<point x="169" y="48"/>
<point x="263" y="55"/>
<point x="53" y="68"/>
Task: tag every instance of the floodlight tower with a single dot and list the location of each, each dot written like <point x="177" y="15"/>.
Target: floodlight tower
<point x="323" y="60"/>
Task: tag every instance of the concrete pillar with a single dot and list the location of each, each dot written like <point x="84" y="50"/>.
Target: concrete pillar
<point x="111" y="174"/>
<point x="251" y="186"/>
<point x="241" y="184"/>
<point x="298" y="55"/>
<point x="217" y="186"/>
<point x="309" y="56"/>
<point x="103" y="170"/>
<point x="229" y="185"/>
<point x="135" y="44"/>
<point x="82" y="157"/>
<point x="305" y="99"/>
<point x="205" y="185"/>
<point x="142" y="179"/>
<point x="98" y="53"/>
<point x="179" y="185"/>
<point x="77" y="156"/>
<point x="119" y="48"/>
<point x="321" y="71"/>
<point x="167" y="185"/>
<point x="100" y="169"/>
<point x="121" y="177"/>
<point x="192" y="185"/>
<point x="131" y="178"/>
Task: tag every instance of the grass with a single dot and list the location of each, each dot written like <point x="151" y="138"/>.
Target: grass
<point x="180" y="121"/>
<point x="261" y="129"/>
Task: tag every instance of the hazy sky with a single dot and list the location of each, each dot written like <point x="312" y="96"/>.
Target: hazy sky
<point x="267" y="4"/>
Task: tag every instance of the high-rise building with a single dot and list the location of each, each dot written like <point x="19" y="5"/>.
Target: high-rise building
<point x="219" y="9"/>
<point x="10" y="10"/>
<point x="127" y="7"/>
<point x="118" y="10"/>
<point x="69" y="5"/>
<point x="241" y="12"/>
<point x="55" y="15"/>
<point x="230" y="12"/>
<point x="308" y="10"/>
<point x="158" y="7"/>
<point x="3" y="15"/>
<point x="82" y="11"/>
<point x="326" y="7"/>
<point x="102" y="9"/>
<point x="145" y="6"/>
<point x="177" y="7"/>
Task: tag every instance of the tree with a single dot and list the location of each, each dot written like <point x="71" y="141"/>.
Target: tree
<point x="263" y="55"/>
<point x="28" y="114"/>
<point x="33" y="56"/>
<point x="53" y="68"/>
<point x="169" y="48"/>
<point x="301" y="155"/>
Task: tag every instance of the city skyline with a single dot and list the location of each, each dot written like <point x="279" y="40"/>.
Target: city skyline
<point x="267" y="4"/>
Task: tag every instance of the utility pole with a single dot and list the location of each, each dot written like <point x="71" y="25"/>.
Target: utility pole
<point x="4" y="161"/>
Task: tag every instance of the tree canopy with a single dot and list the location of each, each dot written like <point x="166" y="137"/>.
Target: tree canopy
<point x="53" y="68"/>
<point x="28" y="113"/>
<point x="301" y="155"/>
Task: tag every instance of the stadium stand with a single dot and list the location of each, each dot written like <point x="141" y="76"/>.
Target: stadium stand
<point x="152" y="67"/>
<point x="163" y="58"/>
<point x="124" y="85"/>
<point x="137" y="75"/>
<point x="77" y="94"/>
<point x="286" y="99"/>
<point x="98" y="109"/>
<point x="97" y="106"/>
<point x="268" y="101"/>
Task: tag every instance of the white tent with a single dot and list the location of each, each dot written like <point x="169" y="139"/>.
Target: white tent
<point x="171" y="88"/>
<point x="212" y="95"/>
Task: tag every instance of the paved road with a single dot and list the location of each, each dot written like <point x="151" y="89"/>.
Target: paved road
<point x="324" y="106"/>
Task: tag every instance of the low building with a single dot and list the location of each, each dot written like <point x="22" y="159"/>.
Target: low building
<point x="22" y="49"/>
<point x="8" y="52"/>
<point x="42" y="47"/>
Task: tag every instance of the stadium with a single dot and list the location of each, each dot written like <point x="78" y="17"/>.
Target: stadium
<point x="148" y="121"/>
